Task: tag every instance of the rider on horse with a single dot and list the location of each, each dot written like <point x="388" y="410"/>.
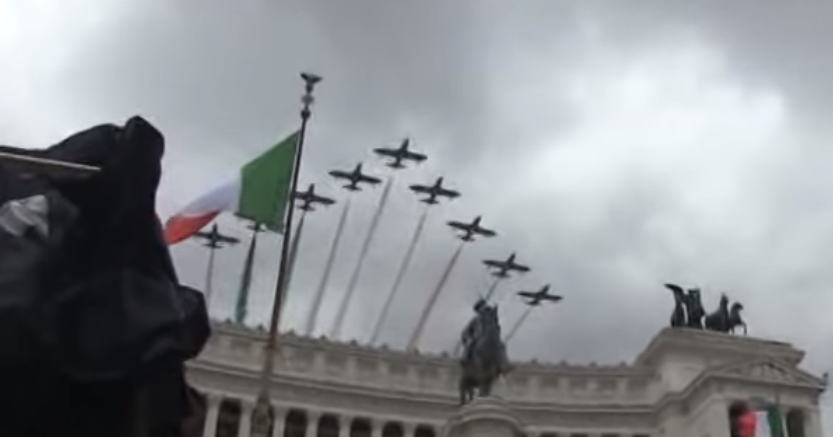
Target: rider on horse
<point x="486" y="316"/>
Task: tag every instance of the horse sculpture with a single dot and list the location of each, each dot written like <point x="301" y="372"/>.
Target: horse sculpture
<point x="726" y="319"/>
<point x="678" y="315"/>
<point x="694" y="309"/>
<point x="689" y="313"/>
<point x="485" y="359"/>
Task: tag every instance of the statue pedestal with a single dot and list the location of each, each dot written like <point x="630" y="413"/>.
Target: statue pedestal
<point x="484" y="417"/>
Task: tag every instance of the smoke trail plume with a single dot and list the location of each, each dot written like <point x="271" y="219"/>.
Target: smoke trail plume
<point x="432" y="300"/>
<point x="400" y="275"/>
<point x="518" y="324"/>
<point x="335" y="331"/>
<point x="312" y="318"/>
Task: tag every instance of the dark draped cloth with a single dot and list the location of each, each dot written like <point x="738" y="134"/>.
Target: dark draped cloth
<point x="94" y="326"/>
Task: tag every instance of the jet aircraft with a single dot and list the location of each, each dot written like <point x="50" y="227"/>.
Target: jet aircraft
<point x="308" y="198"/>
<point x="434" y="191"/>
<point x="536" y="297"/>
<point x="214" y="239"/>
<point x="400" y="154"/>
<point x="503" y="267"/>
<point x="355" y="177"/>
<point x="471" y="229"/>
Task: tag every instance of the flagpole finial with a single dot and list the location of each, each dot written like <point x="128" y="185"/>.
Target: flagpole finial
<point x="310" y="80"/>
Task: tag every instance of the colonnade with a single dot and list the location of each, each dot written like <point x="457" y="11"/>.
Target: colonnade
<point x="229" y="417"/>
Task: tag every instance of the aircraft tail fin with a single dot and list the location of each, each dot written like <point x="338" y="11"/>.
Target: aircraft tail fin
<point x="430" y="200"/>
<point x="352" y="187"/>
<point x="396" y="165"/>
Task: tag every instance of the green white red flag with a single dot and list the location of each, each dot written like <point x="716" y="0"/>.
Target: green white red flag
<point x="259" y="193"/>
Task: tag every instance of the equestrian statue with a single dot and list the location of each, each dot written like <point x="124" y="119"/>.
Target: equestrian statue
<point x="689" y="313"/>
<point x="484" y="357"/>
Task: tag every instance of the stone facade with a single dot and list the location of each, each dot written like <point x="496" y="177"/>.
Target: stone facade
<point x="681" y="385"/>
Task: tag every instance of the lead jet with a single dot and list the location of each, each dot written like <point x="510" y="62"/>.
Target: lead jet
<point x="214" y="239"/>
<point x="308" y="198"/>
<point x="434" y="191"/>
<point x="355" y="177"/>
<point x="472" y="229"/>
<point x="536" y="297"/>
<point x="504" y="267"/>
<point x="400" y="154"/>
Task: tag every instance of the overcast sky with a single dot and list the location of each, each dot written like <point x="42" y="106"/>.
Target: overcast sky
<point x="614" y="145"/>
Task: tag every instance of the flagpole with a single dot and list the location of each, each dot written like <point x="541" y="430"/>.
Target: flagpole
<point x="262" y="415"/>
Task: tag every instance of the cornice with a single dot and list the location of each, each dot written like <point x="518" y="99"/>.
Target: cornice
<point x="444" y="359"/>
<point x="671" y="340"/>
<point x="401" y="396"/>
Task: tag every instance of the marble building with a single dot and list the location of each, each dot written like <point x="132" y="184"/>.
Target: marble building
<point x="683" y="384"/>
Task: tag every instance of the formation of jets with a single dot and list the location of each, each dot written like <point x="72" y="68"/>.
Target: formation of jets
<point x="397" y="158"/>
<point x="471" y="229"/>
<point x="214" y="239"/>
<point x="434" y="191"/>
<point x="536" y="297"/>
<point x="308" y="198"/>
<point x="355" y="177"/>
<point x="504" y="267"/>
<point x="400" y="154"/>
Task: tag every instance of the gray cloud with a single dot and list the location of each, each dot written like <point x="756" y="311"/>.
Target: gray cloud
<point x="614" y="146"/>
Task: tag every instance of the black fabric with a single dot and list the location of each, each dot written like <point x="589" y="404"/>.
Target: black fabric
<point x="94" y="327"/>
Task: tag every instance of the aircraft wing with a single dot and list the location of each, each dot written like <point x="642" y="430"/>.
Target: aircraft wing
<point x="206" y="235"/>
<point x="323" y="200"/>
<point x="448" y="193"/>
<point x="385" y="152"/>
<point x="228" y="240"/>
<point x="420" y="189"/>
<point x="528" y="294"/>
<point x="414" y="156"/>
<point x="486" y="232"/>
<point x="460" y="226"/>
<point x="493" y="263"/>
<point x="341" y="174"/>
<point x="551" y="297"/>
<point x="370" y="179"/>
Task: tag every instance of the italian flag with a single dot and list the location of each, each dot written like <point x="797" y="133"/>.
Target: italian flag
<point x="260" y="193"/>
<point x="762" y="423"/>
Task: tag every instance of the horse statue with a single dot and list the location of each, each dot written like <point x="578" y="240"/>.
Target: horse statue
<point x="719" y="320"/>
<point x="726" y="319"/>
<point x="484" y="359"/>
<point x="735" y="318"/>
<point x="678" y="315"/>
<point x="688" y="308"/>
<point x="694" y="309"/>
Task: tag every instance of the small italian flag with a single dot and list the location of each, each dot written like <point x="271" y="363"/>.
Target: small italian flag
<point x="259" y="193"/>
<point x="762" y="423"/>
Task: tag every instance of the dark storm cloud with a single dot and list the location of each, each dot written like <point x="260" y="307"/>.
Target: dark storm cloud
<point x="488" y="90"/>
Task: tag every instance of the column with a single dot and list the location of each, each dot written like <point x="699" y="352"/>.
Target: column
<point x="344" y="423"/>
<point x="376" y="427"/>
<point x="312" y="423"/>
<point x="245" y="428"/>
<point x="211" y="414"/>
<point x="280" y="421"/>
<point x="812" y="422"/>
<point x="408" y="429"/>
